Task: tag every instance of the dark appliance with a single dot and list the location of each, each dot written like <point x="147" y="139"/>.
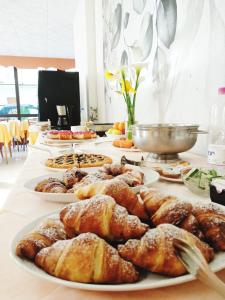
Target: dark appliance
<point x="59" y="88"/>
<point x="63" y="120"/>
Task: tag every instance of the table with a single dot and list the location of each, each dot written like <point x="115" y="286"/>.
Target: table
<point x="22" y="207"/>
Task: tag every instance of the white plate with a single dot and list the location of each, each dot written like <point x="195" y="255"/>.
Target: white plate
<point x="53" y="197"/>
<point x="176" y="180"/>
<point x="56" y="141"/>
<point x="127" y="149"/>
<point x="151" y="281"/>
<point x="114" y="137"/>
<point x="149" y="178"/>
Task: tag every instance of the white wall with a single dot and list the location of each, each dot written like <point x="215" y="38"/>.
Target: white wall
<point x="187" y="75"/>
<point x="189" y="72"/>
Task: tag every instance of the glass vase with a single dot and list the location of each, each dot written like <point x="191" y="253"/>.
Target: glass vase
<point x="130" y="123"/>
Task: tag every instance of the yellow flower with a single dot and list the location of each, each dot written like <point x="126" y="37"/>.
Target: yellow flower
<point x="109" y="75"/>
<point x="127" y="87"/>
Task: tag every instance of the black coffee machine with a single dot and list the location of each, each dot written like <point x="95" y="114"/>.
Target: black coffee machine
<point x="63" y="117"/>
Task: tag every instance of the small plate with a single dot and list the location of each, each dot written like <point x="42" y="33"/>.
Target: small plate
<point x="132" y="149"/>
<point x="114" y="137"/>
<point x="150" y="281"/>
<point x="176" y="180"/>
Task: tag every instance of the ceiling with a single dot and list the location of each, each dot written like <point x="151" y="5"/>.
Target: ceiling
<point x="42" y="28"/>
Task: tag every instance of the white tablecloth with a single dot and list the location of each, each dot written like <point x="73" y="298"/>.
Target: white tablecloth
<point x="22" y="207"/>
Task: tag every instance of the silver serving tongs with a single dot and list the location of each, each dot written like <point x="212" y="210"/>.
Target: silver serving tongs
<point x="196" y="265"/>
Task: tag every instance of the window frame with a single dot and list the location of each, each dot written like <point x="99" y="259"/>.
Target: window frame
<point x="19" y="116"/>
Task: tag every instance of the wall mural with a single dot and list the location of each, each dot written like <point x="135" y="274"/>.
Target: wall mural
<point x="138" y="31"/>
<point x="183" y="43"/>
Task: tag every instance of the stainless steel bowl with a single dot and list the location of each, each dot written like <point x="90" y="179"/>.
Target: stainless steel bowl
<point x="165" y="141"/>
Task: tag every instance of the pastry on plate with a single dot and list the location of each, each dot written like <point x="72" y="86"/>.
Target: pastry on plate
<point x="155" y="251"/>
<point x="102" y="216"/>
<point x="72" y="176"/>
<point x="65" y="135"/>
<point x="53" y="134"/>
<point x="123" y="143"/>
<point x="88" y="259"/>
<point x="54" y="187"/>
<point x="83" y="135"/>
<point x="118" y="190"/>
<point x="42" y="184"/>
<point x="44" y="235"/>
<point x="68" y="161"/>
<point x="164" y="208"/>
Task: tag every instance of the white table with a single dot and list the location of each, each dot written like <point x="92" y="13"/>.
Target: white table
<point x="22" y="207"/>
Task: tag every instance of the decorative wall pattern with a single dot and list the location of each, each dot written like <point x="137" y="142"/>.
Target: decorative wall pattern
<point x="138" y="31"/>
<point x="183" y="43"/>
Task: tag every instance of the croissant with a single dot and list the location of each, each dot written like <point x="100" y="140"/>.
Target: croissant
<point x="211" y="218"/>
<point x="86" y="258"/>
<point x="115" y="169"/>
<point x="72" y="176"/>
<point x="117" y="189"/>
<point x="102" y="216"/>
<point x="169" y="209"/>
<point x="155" y="251"/>
<point x="132" y="178"/>
<point x="54" y="187"/>
<point x="41" y="185"/>
<point x="44" y="235"/>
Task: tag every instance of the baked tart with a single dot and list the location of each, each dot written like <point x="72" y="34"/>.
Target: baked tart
<point x="69" y="161"/>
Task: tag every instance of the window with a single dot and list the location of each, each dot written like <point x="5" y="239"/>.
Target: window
<point x="18" y="93"/>
<point x="28" y="91"/>
<point x="8" y="103"/>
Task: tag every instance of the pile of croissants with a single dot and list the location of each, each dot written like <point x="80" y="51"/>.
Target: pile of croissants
<point x="111" y="235"/>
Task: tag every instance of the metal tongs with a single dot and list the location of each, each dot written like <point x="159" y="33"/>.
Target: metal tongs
<point x="196" y="265"/>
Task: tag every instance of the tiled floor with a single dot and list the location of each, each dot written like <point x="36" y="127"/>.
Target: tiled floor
<point x="9" y="173"/>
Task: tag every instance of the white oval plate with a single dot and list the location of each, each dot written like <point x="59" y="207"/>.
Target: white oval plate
<point x="53" y="197"/>
<point x="151" y="281"/>
<point x="176" y="180"/>
<point x="149" y="177"/>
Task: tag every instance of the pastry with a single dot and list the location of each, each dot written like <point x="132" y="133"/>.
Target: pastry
<point x="69" y="161"/>
<point x="123" y="143"/>
<point x="42" y="184"/>
<point x="72" y="176"/>
<point x="115" y="169"/>
<point x="54" y="187"/>
<point x="65" y="135"/>
<point x="44" y="235"/>
<point x="169" y="209"/>
<point x="211" y="218"/>
<point x="169" y="172"/>
<point x="53" y="134"/>
<point x="132" y="178"/>
<point x="102" y="216"/>
<point x="117" y="189"/>
<point x="83" y="135"/>
<point x="155" y="251"/>
<point x="88" y="259"/>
